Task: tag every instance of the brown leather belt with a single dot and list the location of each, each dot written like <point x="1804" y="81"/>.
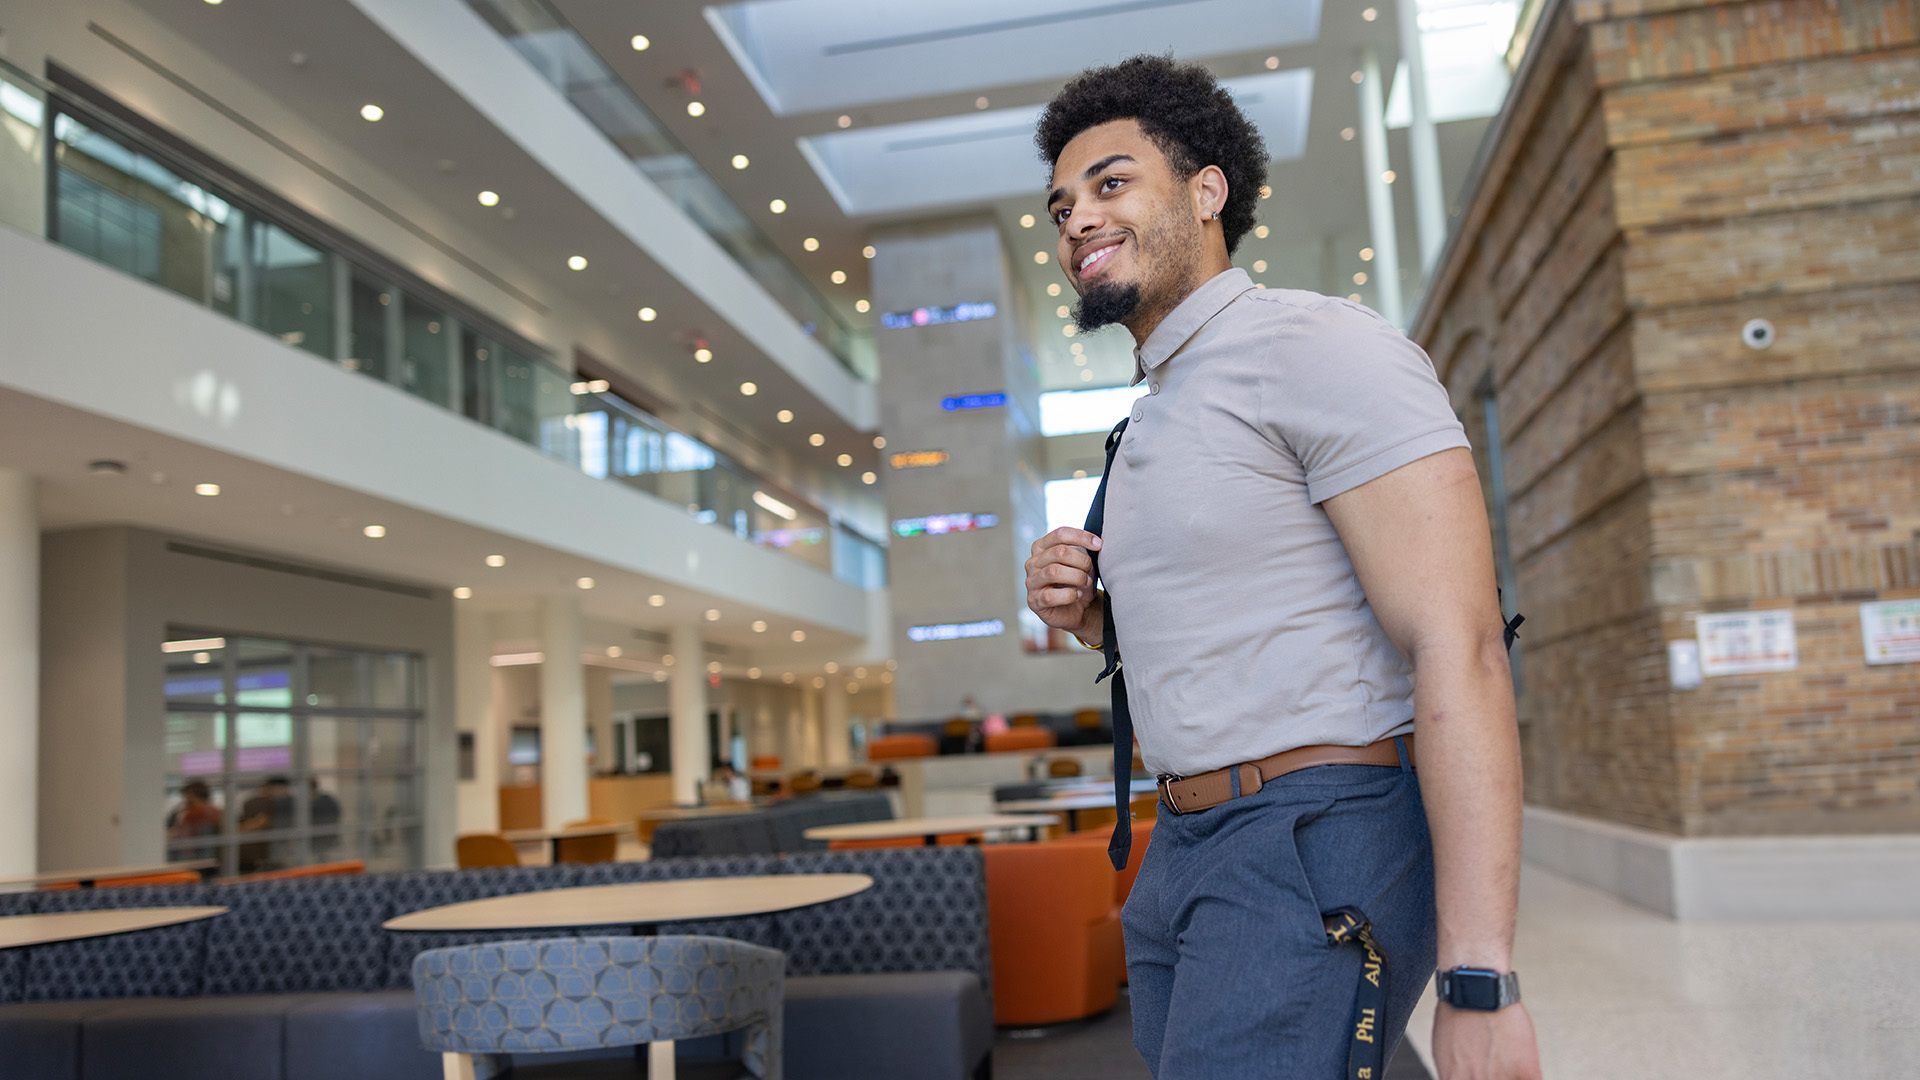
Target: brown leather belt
<point x="1190" y="794"/>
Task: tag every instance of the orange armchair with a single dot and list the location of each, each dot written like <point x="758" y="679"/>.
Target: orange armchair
<point x="895" y="747"/>
<point x="1057" y="951"/>
<point x="475" y="850"/>
<point x="1022" y="738"/>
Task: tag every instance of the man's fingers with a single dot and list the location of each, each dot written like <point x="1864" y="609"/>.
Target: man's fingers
<point x="1059" y="574"/>
<point x="1068" y="536"/>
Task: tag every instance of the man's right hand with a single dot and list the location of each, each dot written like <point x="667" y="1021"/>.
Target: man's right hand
<point x="1060" y="582"/>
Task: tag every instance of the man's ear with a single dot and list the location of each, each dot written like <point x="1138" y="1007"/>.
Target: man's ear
<point x="1210" y="192"/>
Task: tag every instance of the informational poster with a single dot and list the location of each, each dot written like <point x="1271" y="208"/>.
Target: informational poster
<point x="1890" y="630"/>
<point x="1745" y="642"/>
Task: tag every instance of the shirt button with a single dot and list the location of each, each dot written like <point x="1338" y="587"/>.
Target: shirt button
<point x="1153" y="388"/>
<point x="1136" y="415"/>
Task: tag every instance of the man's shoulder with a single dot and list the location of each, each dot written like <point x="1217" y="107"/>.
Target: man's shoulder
<point x="1310" y="308"/>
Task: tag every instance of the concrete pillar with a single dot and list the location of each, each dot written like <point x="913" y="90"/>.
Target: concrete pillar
<point x="563" y="714"/>
<point x="1385" y="240"/>
<point x="810" y="726"/>
<point x="479" y="801"/>
<point x="1429" y="200"/>
<point x="836" y="731"/>
<point x="19" y="675"/>
<point x="687" y="709"/>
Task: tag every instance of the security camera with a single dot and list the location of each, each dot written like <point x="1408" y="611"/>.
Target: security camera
<point x="1758" y="334"/>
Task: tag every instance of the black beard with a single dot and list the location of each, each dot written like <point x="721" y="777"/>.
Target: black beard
<point x="1105" y="304"/>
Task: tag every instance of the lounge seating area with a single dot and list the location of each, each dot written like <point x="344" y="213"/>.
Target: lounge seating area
<point x="778" y="828"/>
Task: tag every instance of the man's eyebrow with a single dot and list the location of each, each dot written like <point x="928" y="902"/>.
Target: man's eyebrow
<point x="1092" y="170"/>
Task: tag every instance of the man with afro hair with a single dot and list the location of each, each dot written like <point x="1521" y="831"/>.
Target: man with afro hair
<point x="1298" y="577"/>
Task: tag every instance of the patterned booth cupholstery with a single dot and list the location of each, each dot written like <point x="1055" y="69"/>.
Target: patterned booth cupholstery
<point x="586" y="993"/>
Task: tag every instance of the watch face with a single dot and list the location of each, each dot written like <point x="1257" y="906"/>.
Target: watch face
<point x="1474" y="988"/>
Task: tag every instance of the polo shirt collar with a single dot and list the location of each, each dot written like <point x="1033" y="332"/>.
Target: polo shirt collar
<point x="1200" y="306"/>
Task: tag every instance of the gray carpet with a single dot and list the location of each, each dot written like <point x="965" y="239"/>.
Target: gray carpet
<point x="1101" y="1048"/>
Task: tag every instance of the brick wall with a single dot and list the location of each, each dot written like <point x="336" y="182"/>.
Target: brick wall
<point x="1666" y="171"/>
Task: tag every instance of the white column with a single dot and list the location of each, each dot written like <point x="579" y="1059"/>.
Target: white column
<point x="1384" y="240"/>
<point x="687" y="707"/>
<point x="479" y="803"/>
<point x="835" y="737"/>
<point x="19" y="675"/>
<point x="1429" y="201"/>
<point x="810" y="727"/>
<point x="563" y="714"/>
<point x="792" y="739"/>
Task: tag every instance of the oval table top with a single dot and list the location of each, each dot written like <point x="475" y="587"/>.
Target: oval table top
<point x="97" y="873"/>
<point x="899" y="828"/>
<point x="531" y="836"/>
<point x="1061" y="802"/>
<point x="44" y="929"/>
<point x="637" y="902"/>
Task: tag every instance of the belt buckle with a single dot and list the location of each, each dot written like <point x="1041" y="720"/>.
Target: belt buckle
<point x="1166" y="792"/>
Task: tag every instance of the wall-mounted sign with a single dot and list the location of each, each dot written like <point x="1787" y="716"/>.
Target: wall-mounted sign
<point x="1746" y="642"/>
<point x="956" y="631"/>
<point x="786" y="538"/>
<point x="973" y="401"/>
<point x="918" y="459"/>
<point x="1890" y="630"/>
<point x="941" y="524"/>
<point x="939" y="316"/>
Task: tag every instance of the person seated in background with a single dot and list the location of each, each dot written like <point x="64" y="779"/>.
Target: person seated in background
<point x="270" y="808"/>
<point x="324" y="808"/>
<point x="196" y="815"/>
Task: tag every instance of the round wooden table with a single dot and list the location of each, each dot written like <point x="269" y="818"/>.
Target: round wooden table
<point x="1071" y="805"/>
<point x="553" y="837"/>
<point x="17" y="931"/>
<point x="86" y="878"/>
<point x="929" y="829"/>
<point x="641" y="904"/>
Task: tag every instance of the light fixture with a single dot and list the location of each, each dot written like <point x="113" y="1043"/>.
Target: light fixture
<point x="576" y="262"/>
<point x="862" y="306"/>
<point x="753" y="673"/>
<point x="1063" y="311"/>
<point x="1040" y="258"/>
<point x="869" y="251"/>
<point x="1026" y="221"/>
<point x="1259" y="266"/>
<point x="1078" y="347"/>
<point x="845" y="121"/>
<point x="1366" y="254"/>
<point x="981" y="102"/>
<point x="799" y="636"/>
<point x="778" y="206"/>
<point x="748" y="389"/>
<point x="640" y="43"/>
<point x="659" y="676"/>
<point x="374" y="532"/>
<point x="869" y="479"/>
<point x="893" y="665"/>
<point x="667" y="659"/>
<point x="372" y="113"/>
<point x="1347" y="134"/>
<point x="1370" y="14"/>
<point x="1358" y="77"/>
<point x="703" y="355"/>
<point x="713" y="614"/>
<point x="1079" y="474"/>
<point x="740" y="161"/>
<point x="839" y="277"/>
<point x="759" y="626"/>
<point x="1069" y="330"/>
<point x="774" y="506"/>
<point x="614" y="651"/>
<point x="1086" y="375"/>
<point x="1354" y="296"/>
<point x="209" y="490"/>
<point x="1389" y="176"/>
<point x="1360" y="278"/>
<point x="1273" y="63"/>
<point x="1079" y="360"/>
<point x="462" y="593"/>
<point x="845" y="460"/>
<point x="584" y="583"/>
<point x="785" y="416"/>
<point x="656" y="600"/>
<point x="213" y="3"/>
<point x="1261" y="231"/>
<point x="696" y="109"/>
<point x="1053" y="288"/>
<point x="202" y="658"/>
<point x="496" y="561"/>
<point x="1266" y="192"/>
<point x="817" y="439"/>
<point x="713" y="667"/>
<point x="832" y="668"/>
<point x="489" y="198"/>
<point x="810" y="243"/>
<point x="879" y="442"/>
<point x="647" y="314"/>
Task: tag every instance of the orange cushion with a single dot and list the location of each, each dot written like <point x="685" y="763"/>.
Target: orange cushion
<point x="1025" y="738"/>
<point x="894" y="747"/>
<point x="1052" y="928"/>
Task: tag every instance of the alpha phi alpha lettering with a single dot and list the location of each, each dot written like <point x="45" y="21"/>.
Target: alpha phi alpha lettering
<point x="1371" y="972"/>
<point x="1363" y="1028"/>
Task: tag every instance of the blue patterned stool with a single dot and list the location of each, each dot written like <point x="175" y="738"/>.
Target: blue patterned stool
<point x="480" y="1002"/>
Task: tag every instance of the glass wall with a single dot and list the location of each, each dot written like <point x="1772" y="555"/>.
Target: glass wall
<point x="283" y="754"/>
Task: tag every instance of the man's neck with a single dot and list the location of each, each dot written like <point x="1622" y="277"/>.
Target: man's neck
<point x="1150" y="316"/>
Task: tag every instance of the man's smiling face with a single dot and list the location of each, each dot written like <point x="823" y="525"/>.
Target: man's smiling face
<point x="1128" y="237"/>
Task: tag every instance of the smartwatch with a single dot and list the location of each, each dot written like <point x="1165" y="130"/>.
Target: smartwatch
<point x="1479" y="989"/>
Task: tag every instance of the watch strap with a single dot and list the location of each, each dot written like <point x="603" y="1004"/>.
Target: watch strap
<point x="1454" y="988"/>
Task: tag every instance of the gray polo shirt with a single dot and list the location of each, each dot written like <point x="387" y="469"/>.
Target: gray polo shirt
<point x="1242" y="625"/>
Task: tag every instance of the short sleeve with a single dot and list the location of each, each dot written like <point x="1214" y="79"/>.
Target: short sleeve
<point x="1353" y="398"/>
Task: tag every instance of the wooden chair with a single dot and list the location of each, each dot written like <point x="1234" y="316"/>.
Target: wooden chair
<point x="1089" y="720"/>
<point x="586" y="849"/>
<point x="1021" y="738"/>
<point x="862" y="780"/>
<point x="1063" y="766"/>
<point x="475" y="850"/>
<point x="1025" y="719"/>
<point x="805" y="783"/>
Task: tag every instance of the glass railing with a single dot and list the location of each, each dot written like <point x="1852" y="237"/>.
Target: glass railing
<point x="94" y="184"/>
<point x="544" y="37"/>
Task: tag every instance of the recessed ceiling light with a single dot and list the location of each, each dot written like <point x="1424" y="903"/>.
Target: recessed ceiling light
<point x="740" y="161"/>
<point x="1354" y="296"/>
<point x="372" y="113"/>
<point x="845" y="121"/>
<point x="1366" y="254"/>
<point x="614" y="651"/>
<point x="862" y="306"/>
<point x="786" y="677"/>
<point x="209" y="490"/>
<point x="105" y="467"/>
<point x="798" y="636"/>
<point x="811" y="244"/>
<point x="778" y="206"/>
<point x="1040" y="258"/>
<point x="1068" y="330"/>
<point x="1026" y="221"/>
<point x="869" y="479"/>
<point x="832" y="668"/>
<point x="753" y="673"/>
<point x="1360" y="278"/>
<point x="879" y="442"/>
<point x="1063" y="311"/>
<point x="1347" y="134"/>
<point x="202" y="658"/>
<point x="496" y="561"/>
<point x="759" y="626"/>
<point x="667" y="659"/>
<point x="1370" y="14"/>
<point x="1273" y="63"/>
<point x="1389" y="176"/>
<point x="1358" y="77"/>
<point x="1079" y="474"/>
<point x="657" y="600"/>
<point x="489" y="198"/>
<point x="869" y="251"/>
<point x="1266" y="192"/>
<point x="647" y="314"/>
<point x="576" y="262"/>
<point x="374" y="532"/>
<point x="584" y="583"/>
<point x="659" y="676"/>
<point x="1078" y="359"/>
<point x="845" y="460"/>
<point x="748" y="389"/>
<point x="713" y="667"/>
<point x="1086" y="375"/>
<point x="1259" y="266"/>
<point x="703" y="354"/>
<point x="981" y="103"/>
<point x="713" y="614"/>
<point x="785" y="416"/>
<point x="839" y="277"/>
<point x="1053" y="288"/>
<point x="640" y="42"/>
<point x="696" y="109"/>
<point x="463" y="593"/>
<point x="817" y="439"/>
<point x="213" y="3"/>
<point x="819" y="683"/>
<point x="1261" y="231"/>
<point x="1078" y="347"/>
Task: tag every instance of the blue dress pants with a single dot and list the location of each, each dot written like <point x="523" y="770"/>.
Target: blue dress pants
<point x="1231" y="973"/>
